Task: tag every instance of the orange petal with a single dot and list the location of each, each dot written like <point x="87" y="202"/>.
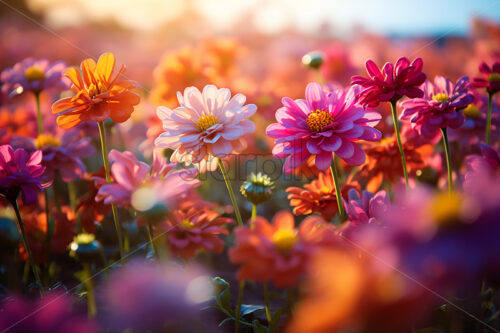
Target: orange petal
<point x="105" y="66"/>
<point x="68" y="121"/>
<point x="88" y="68"/>
<point x="284" y="220"/>
<point x="74" y="75"/>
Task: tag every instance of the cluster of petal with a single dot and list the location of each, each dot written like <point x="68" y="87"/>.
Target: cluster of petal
<point x="392" y="83"/>
<point x="100" y="94"/>
<point x="207" y="123"/>
<point x="343" y="122"/>
<point x="491" y="79"/>
<point x="440" y="107"/>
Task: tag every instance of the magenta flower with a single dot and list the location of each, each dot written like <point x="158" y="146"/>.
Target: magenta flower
<point x="21" y="173"/>
<point x="322" y="124"/>
<point x="485" y="165"/>
<point x="208" y="123"/>
<point x="367" y="209"/>
<point x="390" y="85"/>
<point x="138" y="185"/>
<point x="491" y="79"/>
<point x="440" y="107"/>
<point x="33" y="75"/>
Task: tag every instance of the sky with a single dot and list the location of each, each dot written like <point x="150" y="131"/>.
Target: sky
<point x="401" y="17"/>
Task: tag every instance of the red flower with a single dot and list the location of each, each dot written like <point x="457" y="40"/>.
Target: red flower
<point x="491" y="80"/>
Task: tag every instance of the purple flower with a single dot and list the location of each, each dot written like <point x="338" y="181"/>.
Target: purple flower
<point x="21" y="173"/>
<point x="33" y="75"/>
<point x="439" y="107"/>
<point x="390" y="85"/>
<point x="486" y="164"/>
<point x="322" y="124"/>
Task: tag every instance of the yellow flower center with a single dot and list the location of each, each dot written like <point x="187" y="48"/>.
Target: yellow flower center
<point x="46" y="140"/>
<point x="441" y="97"/>
<point x="318" y="120"/>
<point x="472" y="111"/>
<point x="446" y="208"/>
<point x="284" y="239"/>
<point x="96" y="90"/>
<point x="205" y="122"/>
<point x="494" y="77"/>
<point x="34" y="73"/>
<point x="187" y="224"/>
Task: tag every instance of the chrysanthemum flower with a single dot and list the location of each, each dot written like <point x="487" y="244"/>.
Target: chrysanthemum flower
<point x="100" y="94"/>
<point x="322" y="124"/>
<point x="208" y="123"/>
<point x="278" y="252"/>
<point x="159" y="183"/>
<point x="491" y="79"/>
<point x="439" y="107"/>
<point x="318" y="196"/>
<point x="193" y="228"/>
<point x="21" y="173"/>
<point x="392" y="83"/>
<point x="32" y="75"/>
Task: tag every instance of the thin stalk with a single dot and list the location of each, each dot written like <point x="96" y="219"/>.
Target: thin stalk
<point x="488" y="119"/>
<point x="231" y="192"/>
<point x="254" y="211"/>
<point x="338" y="192"/>
<point x="151" y="239"/>
<point x="266" y="302"/>
<point x="27" y="246"/>
<point x="102" y="135"/>
<point x="238" y="307"/>
<point x="448" y="159"/>
<point x="398" y="138"/>
<point x="39" y="119"/>
<point x="91" y="307"/>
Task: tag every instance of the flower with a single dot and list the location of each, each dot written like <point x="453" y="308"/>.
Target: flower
<point x="257" y="188"/>
<point x="322" y="124"/>
<point x="141" y="186"/>
<point x="99" y="94"/>
<point x="206" y="123"/>
<point x="21" y="173"/>
<point x="17" y="122"/>
<point x="439" y="107"/>
<point x="318" y="196"/>
<point x="34" y="76"/>
<point x="278" y="252"/>
<point x="390" y="85"/>
<point x="91" y="211"/>
<point x="488" y="163"/>
<point x="491" y="79"/>
<point x="193" y="228"/>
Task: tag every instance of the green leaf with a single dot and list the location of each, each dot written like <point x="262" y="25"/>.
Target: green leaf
<point x="225" y="321"/>
<point x="258" y="327"/>
<point x="222" y="295"/>
<point x="247" y="309"/>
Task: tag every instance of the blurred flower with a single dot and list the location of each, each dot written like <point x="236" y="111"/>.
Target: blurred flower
<point x="206" y="123"/>
<point x="491" y="80"/>
<point x="221" y="55"/>
<point x="318" y="196"/>
<point x="440" y="107"/>
<point x="323" y="124"/>
<point x="486" y="164"/>
<point x="32" y="75"/>
<point x="193" y="228"/>
<point x="99" y="95"/>
<point x="337" y="65"/>
<point x="21" y="173"/>
<point x="50" y="314"/>
<point x="257" y="188"/>
<point x="390" y="85"/>
<point x="17" y="122"/>
<point x="91" y="211"/>
<point x="278" y="252"/>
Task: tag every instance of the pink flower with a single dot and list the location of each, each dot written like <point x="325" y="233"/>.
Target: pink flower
<point x="439" y="107"/>
<point x="322" y="124"/>
<point x="21" y="173"/>
<point x="491" y="80"/>
<point x="33" y="75"/>
<point x="392" y="83"/>
<point x="206" y="123"/>
<point x="485" y="165"/>
<point x="159" y="183"/>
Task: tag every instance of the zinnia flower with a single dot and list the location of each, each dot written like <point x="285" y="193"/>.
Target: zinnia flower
<point x="21" y="173"/>
<point x="322" y="124"/>
<point x="491" y="79"/>
<point x="99" y="94"/>
<point x="318" y="196"/>
<point x="278" y="252"/>
<point x="206" y="123"/>
<point x="32" y="75"/>
<point x="390" y="85"/>
<point x="439" y="107"/>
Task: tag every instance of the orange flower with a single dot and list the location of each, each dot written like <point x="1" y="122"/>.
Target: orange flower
<point x="19" y="122"/>
<point x="278" y="252"/>
<point x="99" y="94"/>
<point x="318" y="196"/>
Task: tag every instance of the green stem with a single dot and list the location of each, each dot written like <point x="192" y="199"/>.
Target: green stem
<point x="338" y="192"/>
<point x="102" y="134"/>
<point x="27" y="246"/>
<point x="448" y="159"/>
<point x="151" y="239"/>
<point x="231" y="192"/>
<point x="39" y="119"/>
<point x="238" y="307"/>
<point x="92" y="309"/>
<point x="398" y="138"/>
<point x="266" y="302"/>
<point x="254" y="211"/>
<point x="488" y="119"/>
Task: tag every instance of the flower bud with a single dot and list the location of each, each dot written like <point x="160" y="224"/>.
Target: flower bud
<point x="313" y="59"/>
<point x="257" y="188"/>
<point x="85" y="248"/>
